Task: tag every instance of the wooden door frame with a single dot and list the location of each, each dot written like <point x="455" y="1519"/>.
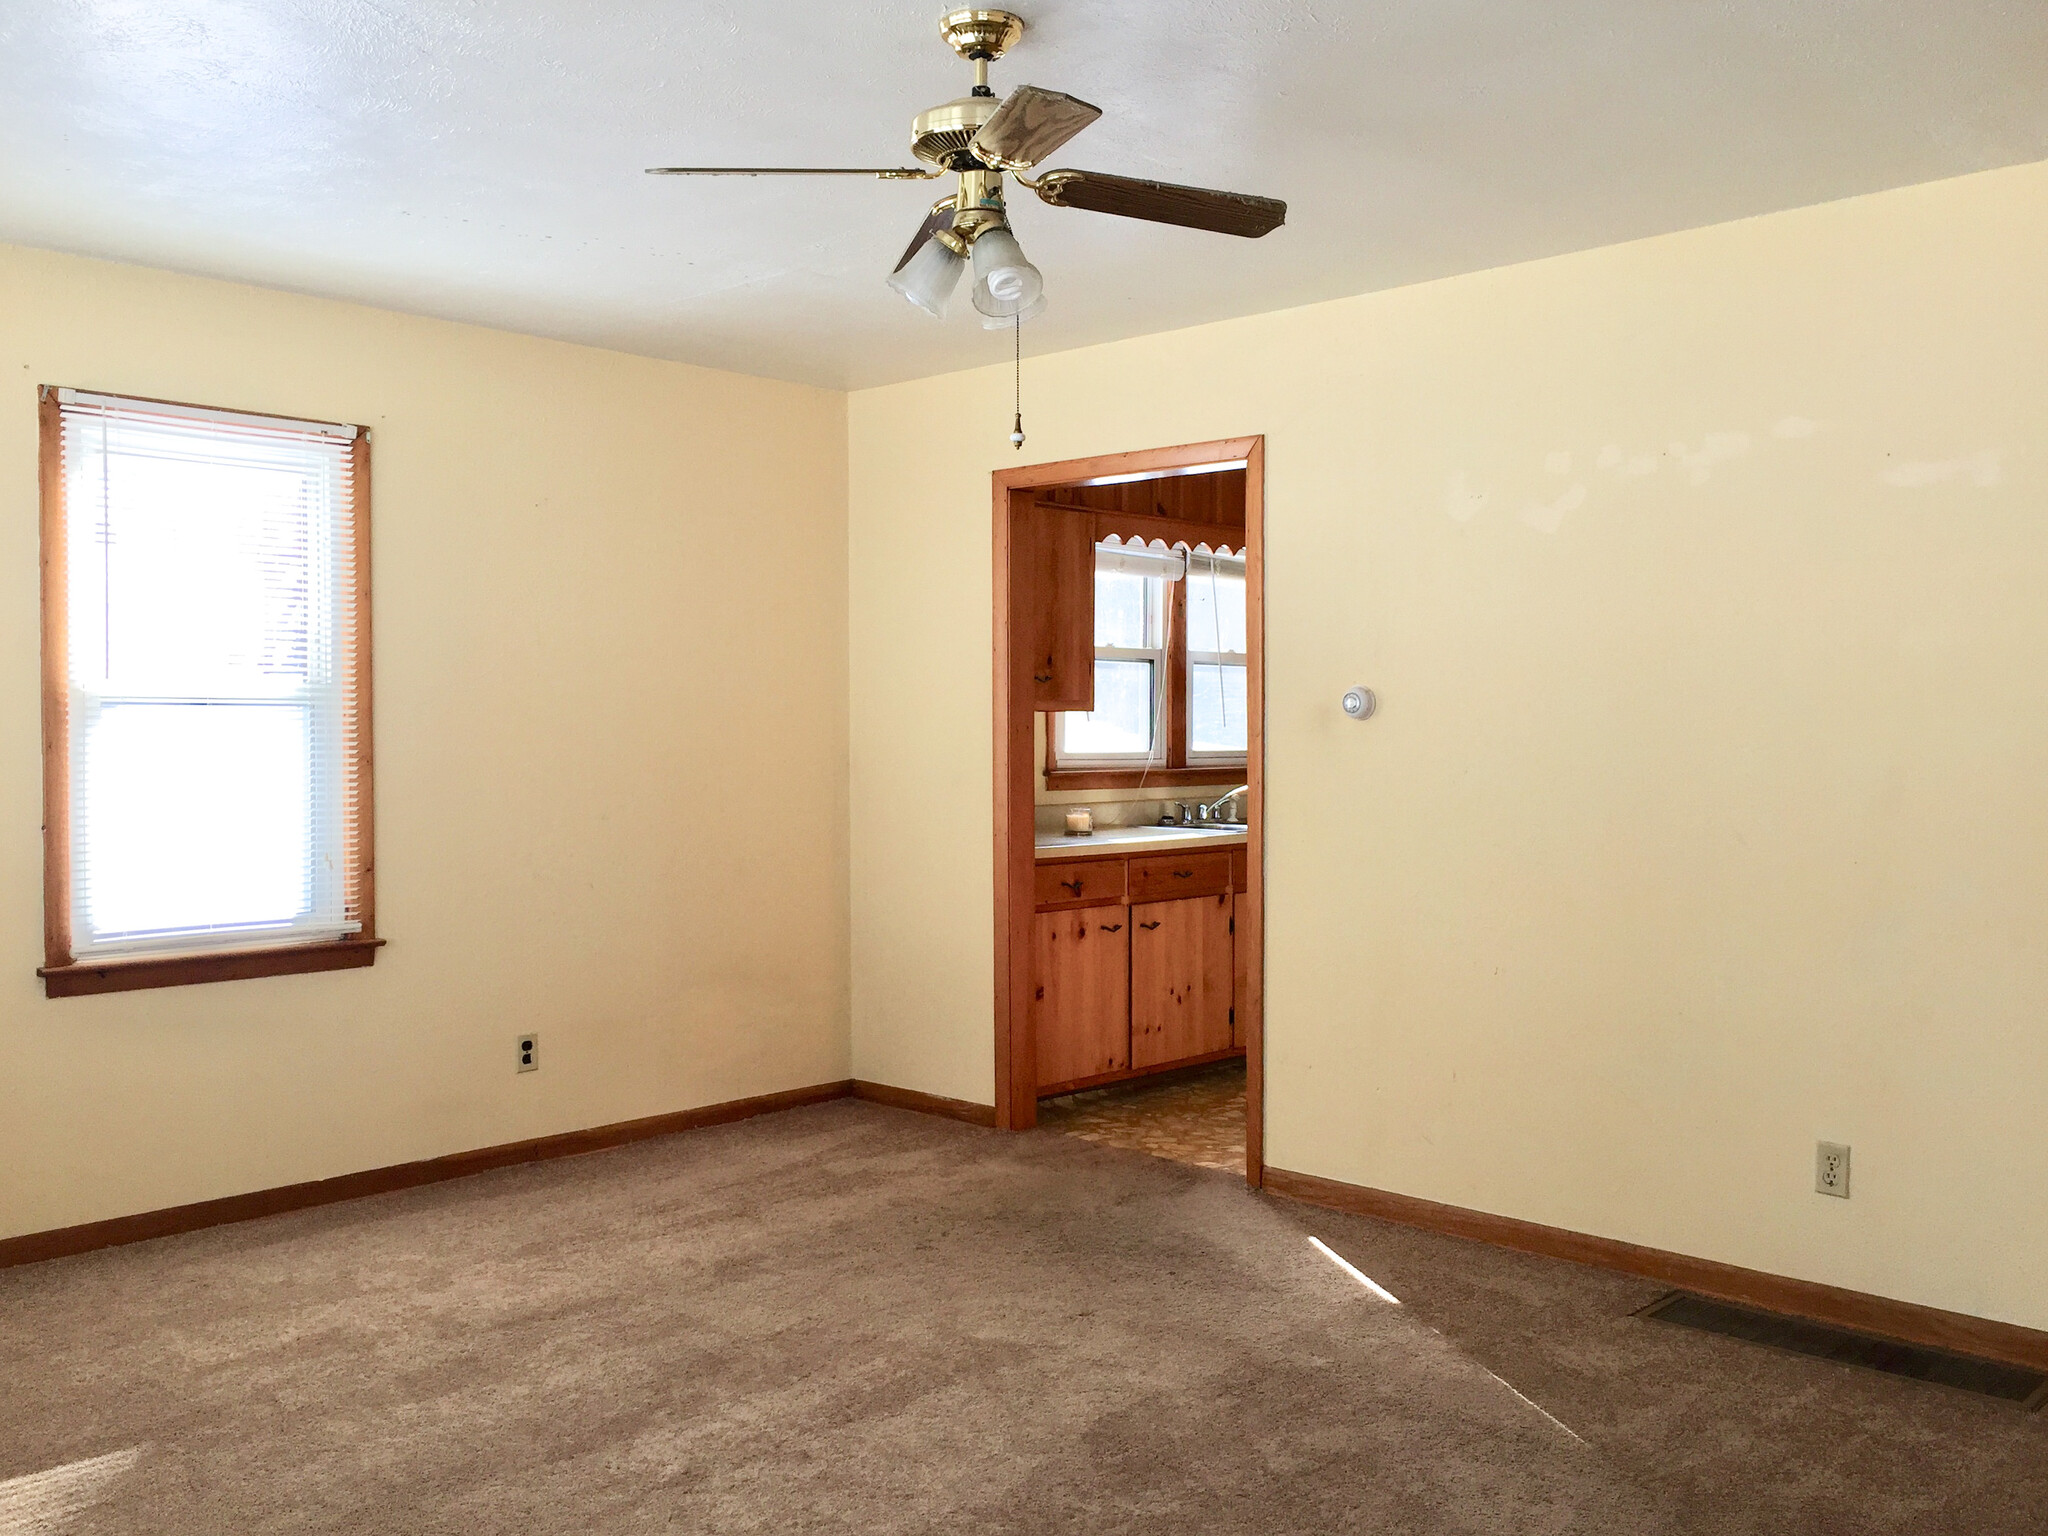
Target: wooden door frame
<point x="1016" y="765"/>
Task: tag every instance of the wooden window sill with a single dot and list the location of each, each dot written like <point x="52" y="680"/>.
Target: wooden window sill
<point x="1222" y="776"/>
<point x="85" y="978"/>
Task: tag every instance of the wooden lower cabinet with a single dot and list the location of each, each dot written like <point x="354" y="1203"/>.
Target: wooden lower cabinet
<point x="1081" y="999"/>
<point x="1183" y="981"/>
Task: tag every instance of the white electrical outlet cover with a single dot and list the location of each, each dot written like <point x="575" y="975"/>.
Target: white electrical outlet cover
<point x="529" y="1053"/>
<point x="1831" y="1169"/>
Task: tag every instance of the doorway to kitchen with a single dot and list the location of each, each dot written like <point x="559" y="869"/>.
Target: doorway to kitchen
<point x="1129" y="800"/>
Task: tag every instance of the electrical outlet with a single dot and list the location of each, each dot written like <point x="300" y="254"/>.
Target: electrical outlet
<point x="1831" y="1169"/>
<point x="529" y="1053"/>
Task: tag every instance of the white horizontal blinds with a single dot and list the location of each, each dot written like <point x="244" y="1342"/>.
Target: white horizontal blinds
<point x="210" y="590"/>
<point x="1135" y="559"/>
<point x="1218" y="702"/>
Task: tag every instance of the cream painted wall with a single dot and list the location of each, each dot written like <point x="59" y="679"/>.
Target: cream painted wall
<point x="1706" y="813"/>
<point x="610" y="609"/>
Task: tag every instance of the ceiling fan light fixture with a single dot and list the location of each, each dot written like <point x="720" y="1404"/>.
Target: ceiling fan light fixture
<point x="991" y="322"/>
<point x="1005" y="284"/>
<point x="977" y="138"/>
<point x="929" y="278"/>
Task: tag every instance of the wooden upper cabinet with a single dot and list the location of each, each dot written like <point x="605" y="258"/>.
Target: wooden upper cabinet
<point x="1080" y="996"/>
<point x="1055" y="605"/>
<point x="1182" y="980"/>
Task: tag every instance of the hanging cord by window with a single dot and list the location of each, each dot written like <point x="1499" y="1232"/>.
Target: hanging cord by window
<point x="1216" y="639"/>
<point x="1017" y="426"/>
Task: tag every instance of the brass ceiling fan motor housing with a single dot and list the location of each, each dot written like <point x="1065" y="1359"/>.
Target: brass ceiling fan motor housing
<point x="941" y="135"/>
<point x="981" y="35"/>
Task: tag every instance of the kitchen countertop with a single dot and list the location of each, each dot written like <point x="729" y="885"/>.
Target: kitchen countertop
<point x="1057" y="845"/>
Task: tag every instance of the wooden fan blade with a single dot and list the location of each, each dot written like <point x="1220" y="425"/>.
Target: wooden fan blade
<point x="1029" y="125"/>
<point x="888" y="173"/>
<point x="1225" y="213"/>
<point x="939" y="218"/>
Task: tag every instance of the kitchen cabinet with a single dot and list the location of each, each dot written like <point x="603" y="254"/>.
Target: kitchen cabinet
<point x="1174" y="877"/>
<point x="1182" y="979"/>
<point x="1080" y="883"/>
<point x="1081" y="1007"/>
<point x="1135" y="965"/>
<point x="1055" y="605"/>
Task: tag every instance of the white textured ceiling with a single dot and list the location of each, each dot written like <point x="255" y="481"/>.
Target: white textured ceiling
<point x="481" y="159"/>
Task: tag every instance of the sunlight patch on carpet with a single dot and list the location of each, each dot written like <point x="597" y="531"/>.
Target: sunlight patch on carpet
<point x="45" y="1503"/>
<point x="1354" y="1271"/>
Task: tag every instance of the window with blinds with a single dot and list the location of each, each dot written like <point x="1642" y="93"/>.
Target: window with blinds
<point x="204" y="679"/>
<point x="1171" y="667"/>
<point x="1132" y="603"/>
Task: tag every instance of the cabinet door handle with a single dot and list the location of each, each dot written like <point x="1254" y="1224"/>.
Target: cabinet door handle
<point x="1183" y="874"/>
<point x="1148" y="925"/>
<point x="1071" y="885"/>
<point x="1041" y="677"/>
<point x="1112" y="927"/>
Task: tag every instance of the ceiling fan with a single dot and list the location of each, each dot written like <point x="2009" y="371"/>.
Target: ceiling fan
<point x="978" y="138"/>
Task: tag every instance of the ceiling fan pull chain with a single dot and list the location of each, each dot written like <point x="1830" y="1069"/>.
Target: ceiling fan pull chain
<point x="1017" y="426"/>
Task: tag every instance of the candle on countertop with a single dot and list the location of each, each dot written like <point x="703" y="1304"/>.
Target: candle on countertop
<point x="1080" y="821"/>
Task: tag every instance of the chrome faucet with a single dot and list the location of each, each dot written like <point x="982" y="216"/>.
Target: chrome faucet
<point x="1208" y="812"/>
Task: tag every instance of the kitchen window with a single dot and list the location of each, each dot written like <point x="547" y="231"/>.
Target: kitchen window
<point x="205" y="694"/>
<point x="1216" y="675"/>
<point x="1132" y="606"/>
<point x="1170" y="672"/>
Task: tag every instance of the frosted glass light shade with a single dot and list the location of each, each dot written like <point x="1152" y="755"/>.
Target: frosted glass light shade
<point x="1005" y="284"/>
<point x="992" y="322"/>
<point x="929" y="278"/>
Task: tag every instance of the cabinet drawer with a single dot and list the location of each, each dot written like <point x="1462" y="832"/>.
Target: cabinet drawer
<point x="1167" y="877"/>
<point x="1082" y="883"/>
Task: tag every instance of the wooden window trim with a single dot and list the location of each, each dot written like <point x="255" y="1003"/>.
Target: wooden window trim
<point x="62" y="973"/>
<point x="1129" y="778"/>
<point x="83" y="979"/>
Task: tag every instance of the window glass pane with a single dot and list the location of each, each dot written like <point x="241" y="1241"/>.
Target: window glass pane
<point x="1121" y="722"/>
<point x="1126" y="611"/>
<point x="1216" y="708"/>
<point x="197" y="815"/>
<point x="1215" y="609"/>
<point x="196" y="565"/>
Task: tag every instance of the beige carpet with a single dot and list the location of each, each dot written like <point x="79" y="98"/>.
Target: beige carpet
<point x="851" y="1318"/>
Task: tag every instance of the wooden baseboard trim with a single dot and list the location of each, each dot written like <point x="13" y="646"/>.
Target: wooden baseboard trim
<point x="1905" y="1320"/>
<point x="925" y="1103"/>
<point x="33" y="1247"/>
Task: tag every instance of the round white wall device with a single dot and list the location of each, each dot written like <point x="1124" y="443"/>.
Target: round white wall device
<point x="1359" y="703"/>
